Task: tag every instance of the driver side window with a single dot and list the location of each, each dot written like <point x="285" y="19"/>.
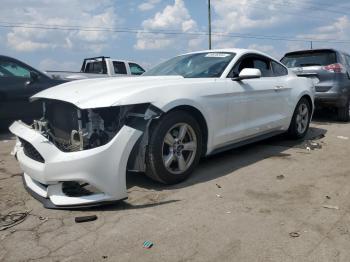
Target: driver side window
<point x="12" y="69"/>
<point x="260" y="63"/>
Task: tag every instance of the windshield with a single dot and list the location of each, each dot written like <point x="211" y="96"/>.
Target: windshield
<point x="319" y="58"/>
<point x="211" y="64"/>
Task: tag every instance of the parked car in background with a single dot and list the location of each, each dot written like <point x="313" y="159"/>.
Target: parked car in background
<point x="18" y="82"/>
<point x="194" y="105"/>
<point x="330" y="70"/>
<point x="101" y="66"/>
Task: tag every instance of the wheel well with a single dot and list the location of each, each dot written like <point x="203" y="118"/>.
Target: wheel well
<point x="201" y="121"/>
<point x="308" y="98"/>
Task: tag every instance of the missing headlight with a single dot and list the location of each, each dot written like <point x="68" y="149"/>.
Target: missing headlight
<point x="73" y="129"/>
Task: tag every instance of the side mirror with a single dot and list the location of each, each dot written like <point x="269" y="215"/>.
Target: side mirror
<point x="32" y="78"/>
<point x="248" y="73"/>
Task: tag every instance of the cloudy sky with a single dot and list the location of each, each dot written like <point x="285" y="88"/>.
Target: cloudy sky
<point x="57" y="35"/>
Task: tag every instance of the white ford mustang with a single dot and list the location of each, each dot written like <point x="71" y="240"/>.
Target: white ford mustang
<point x="93" y="131"/>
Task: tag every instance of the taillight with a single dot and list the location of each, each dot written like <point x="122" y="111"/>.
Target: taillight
<point x="335" y="68"/>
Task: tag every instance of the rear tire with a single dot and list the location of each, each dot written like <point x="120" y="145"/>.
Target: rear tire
<point x="174" y="148"/>
<point x="344" y="112"/>
<point x="300" y="120"/>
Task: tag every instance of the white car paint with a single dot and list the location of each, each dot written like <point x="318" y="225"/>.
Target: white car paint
<point x="98" y="167"/>
<point x="234" y="111"/>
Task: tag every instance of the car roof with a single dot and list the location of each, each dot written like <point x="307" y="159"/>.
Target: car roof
<point x="115" y="60"/>
<point x="313" y="50"/>
<point x="238" y="51"/>
<point x="7" y="57"/>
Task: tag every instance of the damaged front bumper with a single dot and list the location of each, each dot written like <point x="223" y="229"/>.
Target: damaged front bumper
<point x="47" y="169"/>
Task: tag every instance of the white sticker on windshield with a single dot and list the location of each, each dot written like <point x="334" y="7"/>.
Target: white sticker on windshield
<point x="217" y="55"/>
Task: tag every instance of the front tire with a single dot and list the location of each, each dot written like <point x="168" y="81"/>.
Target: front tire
<point x="300" y="120"/>
<point x="174" y="148"/>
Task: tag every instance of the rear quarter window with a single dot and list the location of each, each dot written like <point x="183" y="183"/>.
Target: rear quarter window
<point x="279" y="70"/>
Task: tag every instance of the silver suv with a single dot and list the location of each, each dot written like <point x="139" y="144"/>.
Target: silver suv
<point x="329" y="69"/>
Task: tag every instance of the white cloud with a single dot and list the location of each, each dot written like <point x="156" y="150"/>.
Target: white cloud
<point x="268" y="49"/>
<point x="235" y="15"/>
<point x="173" y="17"/>
<point x="241" y="16"/>
<point x="62" y="13"/>
<point x="148" y="5"/>
<point x="51" y="64"/>
<point x="338" y="30"/>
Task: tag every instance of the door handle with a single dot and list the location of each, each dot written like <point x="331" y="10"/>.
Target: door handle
<point x="278" y="88"/>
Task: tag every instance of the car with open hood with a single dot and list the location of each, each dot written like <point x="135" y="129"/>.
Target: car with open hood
<point x="194" y="105"/>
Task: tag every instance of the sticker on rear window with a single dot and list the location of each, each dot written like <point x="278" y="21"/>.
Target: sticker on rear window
<point x="217" y="55"/>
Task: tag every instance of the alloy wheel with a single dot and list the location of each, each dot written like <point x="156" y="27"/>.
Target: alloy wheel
<point x="302" y="118"/>
<point x="179" y="148"/>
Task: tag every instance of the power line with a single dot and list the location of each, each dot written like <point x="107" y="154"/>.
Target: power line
<point x="168" y="32"/>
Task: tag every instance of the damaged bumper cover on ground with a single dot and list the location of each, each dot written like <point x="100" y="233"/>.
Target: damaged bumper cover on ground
<point x="85" y="176"/>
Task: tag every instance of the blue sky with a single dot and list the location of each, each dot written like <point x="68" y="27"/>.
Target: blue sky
<point x="93" y="21"/>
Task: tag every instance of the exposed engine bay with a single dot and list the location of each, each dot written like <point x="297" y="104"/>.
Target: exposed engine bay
<point x="73" y="129"/>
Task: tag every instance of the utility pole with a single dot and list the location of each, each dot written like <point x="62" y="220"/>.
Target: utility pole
<point x="209" y="23"/>
<point x="311" y="44"/>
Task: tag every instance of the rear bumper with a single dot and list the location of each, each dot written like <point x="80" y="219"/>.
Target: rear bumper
<point x="103" y="167"/>
<point x="330" y="99"/>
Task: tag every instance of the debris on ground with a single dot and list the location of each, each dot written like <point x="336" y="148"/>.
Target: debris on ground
<point x="280" y="177"/>
<point x="312" y="145"/>
<point x="44" y="219"/>
<point x="147" y="244"/>
<point x="219" y="196"/>
<point x="218" y="186"/>
<point x="294" y="234"/>
<point x="85" y="219"/>
<point x="12" y="219"/>
<point x="104" y="257"/>
<point x="228" y="212"/>
<point x="328" y="197"/>
<point x="331" y="207"/>
<point x="316" y="145"/>
<point x="343" y="137"/>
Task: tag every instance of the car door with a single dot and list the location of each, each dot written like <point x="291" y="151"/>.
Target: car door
<point x="16" y="87"/>
<point x="263" y="100"/>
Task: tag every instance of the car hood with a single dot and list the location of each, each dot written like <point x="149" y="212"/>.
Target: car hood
<point x="94" y="93"/>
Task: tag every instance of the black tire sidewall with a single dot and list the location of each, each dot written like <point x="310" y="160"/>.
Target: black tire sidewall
<point x="343" y="112"/>
<point x="154" y="159"/>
